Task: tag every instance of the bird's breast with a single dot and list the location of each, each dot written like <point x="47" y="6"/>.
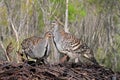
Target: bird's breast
<point x="58" y="44"/>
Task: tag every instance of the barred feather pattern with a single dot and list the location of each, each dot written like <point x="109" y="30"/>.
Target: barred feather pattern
<point x="29" y="44"/>
<point x="72" y="46"/>
<point x="37" y="47"/>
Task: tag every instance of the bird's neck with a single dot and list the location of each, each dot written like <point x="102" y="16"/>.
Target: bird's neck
<point x="56" y="28"/>
<point x="47" y="46"/>
<point x="58" y="34"/>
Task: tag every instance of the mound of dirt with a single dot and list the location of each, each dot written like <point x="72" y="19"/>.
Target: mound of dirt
<point x="67" y="71"/>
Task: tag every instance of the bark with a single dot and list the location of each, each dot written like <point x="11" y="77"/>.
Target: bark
<point x="66" y="17"/>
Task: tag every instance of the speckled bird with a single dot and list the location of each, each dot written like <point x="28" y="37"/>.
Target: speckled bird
<point x="37" y="47"/>
<point x="72" y="46"/>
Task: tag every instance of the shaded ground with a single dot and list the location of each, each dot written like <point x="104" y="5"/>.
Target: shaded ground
<point x="66" y="71"/>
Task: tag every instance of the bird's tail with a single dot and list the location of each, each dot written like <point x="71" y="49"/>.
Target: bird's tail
<point x="94" y="61"/>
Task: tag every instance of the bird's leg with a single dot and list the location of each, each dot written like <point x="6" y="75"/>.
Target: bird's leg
<point x="64" y="59"/>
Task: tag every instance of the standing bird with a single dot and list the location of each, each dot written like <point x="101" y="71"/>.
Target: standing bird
<point x="70" y="45"/>
<point x="37" y="47"/>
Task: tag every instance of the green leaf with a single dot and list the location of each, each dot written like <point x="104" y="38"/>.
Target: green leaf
<point x="72" y="12"/>
<point x="83" y="13"/>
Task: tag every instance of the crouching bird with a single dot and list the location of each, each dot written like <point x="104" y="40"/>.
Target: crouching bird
<point x="37" y="47"/>
<point x="71" y="46"/>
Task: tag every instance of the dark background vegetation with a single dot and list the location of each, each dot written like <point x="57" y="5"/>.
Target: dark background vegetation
<point x="97" y="22"/>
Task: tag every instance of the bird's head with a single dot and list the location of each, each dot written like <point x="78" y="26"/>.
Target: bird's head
<point x="56" y="25"/>
<point x="48" y="34"/>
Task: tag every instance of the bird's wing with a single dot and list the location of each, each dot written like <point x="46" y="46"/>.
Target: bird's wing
<point x="29" y="44"/>
<point x="70" y="42"/>
<point x="40" y="48"/>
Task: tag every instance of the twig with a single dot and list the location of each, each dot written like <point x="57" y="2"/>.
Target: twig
<point x="4" y="51"/>
<point x="58" y="21"/>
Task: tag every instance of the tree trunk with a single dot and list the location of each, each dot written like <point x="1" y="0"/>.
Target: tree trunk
<point x="66" y="17"/>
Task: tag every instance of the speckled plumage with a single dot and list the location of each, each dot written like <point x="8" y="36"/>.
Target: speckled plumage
<point x="37" y="47"/>
<point x="67" y="43"/>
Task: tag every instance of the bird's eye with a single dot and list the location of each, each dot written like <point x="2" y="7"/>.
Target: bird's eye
<point x="49" y="34"/>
